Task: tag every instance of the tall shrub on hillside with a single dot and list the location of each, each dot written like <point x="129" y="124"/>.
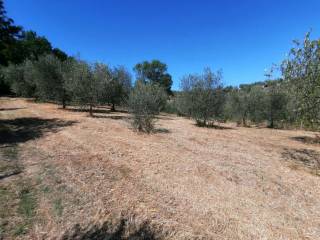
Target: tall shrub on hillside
<point x="145" y="102"/>
<point x="203" y="96"/>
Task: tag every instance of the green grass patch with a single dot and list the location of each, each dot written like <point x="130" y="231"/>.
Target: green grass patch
<point x="17" y="209"/>
<point x="58" y="207"/>
<point x="45" y="189"/>
<point x="20" y="229"/>
<point x="27" y="203"/>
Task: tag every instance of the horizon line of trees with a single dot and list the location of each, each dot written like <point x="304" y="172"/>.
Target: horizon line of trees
<point x="31" y="67"/>
<point x="292" y="100"/>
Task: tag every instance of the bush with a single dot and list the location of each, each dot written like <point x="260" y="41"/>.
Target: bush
<point x="145" y="102"/>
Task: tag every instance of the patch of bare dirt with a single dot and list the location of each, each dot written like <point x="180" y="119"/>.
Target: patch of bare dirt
<point x="98" y="178"/>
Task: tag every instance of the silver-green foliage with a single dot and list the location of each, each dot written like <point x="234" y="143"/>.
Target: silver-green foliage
<point x="145" y="102"/>
<point x="84" y="86"/>
<point x="202" y="97"/>
<point x="117" y="86"/>
<point x="20" y="78"/>
<point x="302" y="72"/>
<point x="49" y="76"/>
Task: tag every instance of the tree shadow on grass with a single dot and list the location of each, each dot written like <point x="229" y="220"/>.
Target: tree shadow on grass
<point x="116" y="117"/>
<point x="161" y="130"/>
<point x="20" y="130"/>
<point x="308" y="158"/>
<point x="104" y="110"/>
<point x="95" y="110"/>
<point x="213" y="126"/>
<point x="163" y="117"/>
<point x="10" y="172"/>
<point x="124" y="230"/>
<point x="307" y="139"/>
<point x="11" y="109"/>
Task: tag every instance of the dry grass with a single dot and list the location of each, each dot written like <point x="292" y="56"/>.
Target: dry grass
<point x="95" y="177"/>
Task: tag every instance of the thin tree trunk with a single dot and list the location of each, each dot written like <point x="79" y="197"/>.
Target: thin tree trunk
<point x="113" y="109"/>
<point x="64" y="104"/>
<point x="91" y="111"/>
<point x="271" y="123"/>
<point x="244" y="123"/>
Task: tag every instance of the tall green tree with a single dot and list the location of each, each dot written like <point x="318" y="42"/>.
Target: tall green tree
<point x="302" y="72"/>
<point x="33" y="46"/>
<point x="9" y="36"/>
<point x="154" y="72"/>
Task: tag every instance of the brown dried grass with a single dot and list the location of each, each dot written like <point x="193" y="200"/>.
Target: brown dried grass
<point x="183" y="183"/>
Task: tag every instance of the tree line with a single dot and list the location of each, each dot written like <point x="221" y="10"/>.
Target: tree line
<point x="292" y="100"/>
<point x="31" y="67"/>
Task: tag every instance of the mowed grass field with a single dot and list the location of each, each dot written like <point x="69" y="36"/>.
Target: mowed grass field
<point x="64" y="175"/>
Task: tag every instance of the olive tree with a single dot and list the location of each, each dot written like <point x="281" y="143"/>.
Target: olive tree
<point x="48" y="74"/>
<point x="118" y="86"/>
<point x="302" y="72"/>
<point x="20" y="78"/>
<point x="202" y="96"/>
<point x="145" y="102"/>
<point x="276" y="103"/>
<point x="85" y="88"/>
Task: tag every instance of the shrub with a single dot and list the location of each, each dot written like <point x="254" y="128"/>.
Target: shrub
<point x="145" y="102"/>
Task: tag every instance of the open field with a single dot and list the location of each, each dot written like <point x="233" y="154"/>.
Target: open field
<point x="66" y="175"/>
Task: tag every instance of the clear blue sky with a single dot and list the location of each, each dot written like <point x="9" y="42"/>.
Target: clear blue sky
<point x="243" y="37"/>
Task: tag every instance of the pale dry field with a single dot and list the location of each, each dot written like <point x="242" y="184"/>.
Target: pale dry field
<point x="94" y="176"/>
